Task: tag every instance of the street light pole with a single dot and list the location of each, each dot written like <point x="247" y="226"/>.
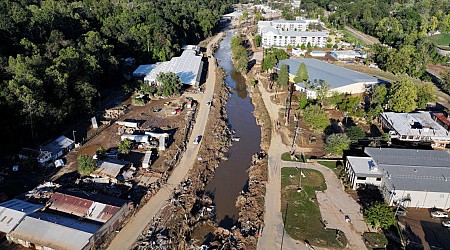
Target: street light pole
<point x="73" y="133"/>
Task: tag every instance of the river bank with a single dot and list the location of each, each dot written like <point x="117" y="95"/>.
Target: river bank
<point x="190" y="216"/>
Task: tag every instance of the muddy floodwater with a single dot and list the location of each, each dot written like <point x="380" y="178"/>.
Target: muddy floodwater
<point x="231" y="176"/>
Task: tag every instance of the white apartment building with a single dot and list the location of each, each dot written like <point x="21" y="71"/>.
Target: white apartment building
<point x="275" y="37"/>
<point x="284" y="25"/>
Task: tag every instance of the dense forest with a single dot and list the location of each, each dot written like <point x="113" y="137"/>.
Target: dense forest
<point x="57" y="55"/>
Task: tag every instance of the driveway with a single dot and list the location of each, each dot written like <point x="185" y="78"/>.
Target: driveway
<point x="335" y="203"/>
<point x="131" y="231"/>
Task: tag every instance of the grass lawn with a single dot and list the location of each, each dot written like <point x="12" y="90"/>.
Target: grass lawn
<point x="336" y="166"/>
<point x="441" y="39"/>
<point x="375" y="240"/>
<point x="301" y="212"/>
<point x="352" y="38"/>
<point x="286" y="156"/>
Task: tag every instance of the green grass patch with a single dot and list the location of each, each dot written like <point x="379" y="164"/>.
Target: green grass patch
<point x="336" y="166"/>
<point x="286" y="156"/>
<point x="375" y="240"/>
<point x="440" y="40"/>
<point x="300" y="210"/>
<point x="351" y="38"/>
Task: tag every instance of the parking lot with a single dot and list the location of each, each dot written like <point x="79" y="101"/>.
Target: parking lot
<point x="429" y="231"/>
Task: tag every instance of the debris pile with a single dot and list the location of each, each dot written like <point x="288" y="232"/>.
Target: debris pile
<point x="190" y="206"/>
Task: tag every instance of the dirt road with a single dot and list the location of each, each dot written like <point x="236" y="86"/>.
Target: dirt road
<point x="131" y="231"/>
<point x="366" y="38"/>
<point x="273" y="235"/>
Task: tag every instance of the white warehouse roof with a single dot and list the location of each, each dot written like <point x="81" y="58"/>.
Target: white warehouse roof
<point x="188" y="67"/>
<point x="12" y="212"/>
<point x="55" y="231"/>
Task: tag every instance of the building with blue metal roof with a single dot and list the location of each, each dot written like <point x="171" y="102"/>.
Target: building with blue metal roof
<point x="340" y="79"/>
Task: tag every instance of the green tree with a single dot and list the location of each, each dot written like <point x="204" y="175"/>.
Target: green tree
<point x="322" y="90"/>
<point x="425" y="93"/>
<point x="169" y="84"/>
<point x="86" y="165"/>
<point x="269" y="62"/>
<point x="379" y="215"/>
<point x="257" y="40"/>
<point x="124" y="146"/>
<point x="283" y="76"/>
<point x="356" y="133"/>
<point x="446" y="81"/>
<point x="379" y="94"/>
<point x="315" y="117"/>
<point x="303" y="46"/>
<point x="302" y="74"/>
<point x="302" y="101"/>
<point x="335" y="144"/>
<point x="403" y="95"/>
<point x="101" y="153"/>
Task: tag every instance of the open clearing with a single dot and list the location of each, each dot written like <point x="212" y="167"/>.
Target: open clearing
<point x="441" y="39"/>
<point x="300" y="210"/>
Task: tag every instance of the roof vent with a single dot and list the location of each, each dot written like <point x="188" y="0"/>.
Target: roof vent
<point x="415" y="170"/>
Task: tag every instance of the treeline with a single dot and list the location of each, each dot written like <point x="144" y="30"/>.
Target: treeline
<point x="400" y="25"/>
<point x="55" y="55"/>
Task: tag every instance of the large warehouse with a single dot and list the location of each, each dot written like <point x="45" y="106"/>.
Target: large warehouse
<point x="188" y="67"/>
<point x="340" y="79"/>
<point x="411" y="177"/>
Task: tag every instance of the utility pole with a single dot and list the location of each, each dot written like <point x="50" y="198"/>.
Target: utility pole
<point x="73" y="133"/>
<point x="295" y="137"/>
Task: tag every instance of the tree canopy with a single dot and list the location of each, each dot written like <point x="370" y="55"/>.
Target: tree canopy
<point x="86" y="165"/>
<point x="403" y="95"/>
<point x="57" y="56"/>
<point x="335" y="144"/>
<point x="283" y="76"/>
<point x="379" y="215"/>
<point x="124" y="146"/>
<point x="315" y="117"/>
<point x="169" y="84"/>
<point x="302" y="74"/>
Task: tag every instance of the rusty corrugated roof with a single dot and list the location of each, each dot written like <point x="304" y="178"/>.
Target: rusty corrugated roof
<point x="82" y="207"/>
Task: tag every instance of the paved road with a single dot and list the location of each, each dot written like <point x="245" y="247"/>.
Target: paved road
<point x="366" y="38"/>
<point x="131" y="231"/>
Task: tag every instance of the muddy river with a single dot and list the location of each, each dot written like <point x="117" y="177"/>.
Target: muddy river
<point x="231" y="176"/>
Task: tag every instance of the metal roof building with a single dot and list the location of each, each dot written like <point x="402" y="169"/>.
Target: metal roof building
<point x="143" y="70"/>
<point x="85" y="208"/>
<point x="53" y="231"/>
<point x="415" y="178"/>
<point x="362" y="171"/>
<point x="13" y="211"/>
<point x="340" y="79"/>
<point x="109" y="168"/>
<point x="419" y="126"/>
<point x="188" y="67"/>
<point x="59" y="146"/>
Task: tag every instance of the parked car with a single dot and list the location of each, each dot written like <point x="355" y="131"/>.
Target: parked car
<point x="439" y="214"/>
<point x="446" y="223"/>
<point x="197" y="139"/>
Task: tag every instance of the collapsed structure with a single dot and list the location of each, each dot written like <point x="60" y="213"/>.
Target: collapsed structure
<point x="419" y="127"/>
